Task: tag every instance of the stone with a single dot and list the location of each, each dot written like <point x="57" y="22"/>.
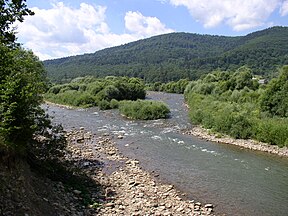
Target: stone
<point x="109" y="205"/>
<point x="77" y="192"/>
<point x="161" y="208"/>
<point x="208" y="205"/>
<point x="168" y="205"/>
<point x="111" y="152"/>
<point x="179" y="209"/>
<point x="80" y="139"/>
<point x="120" y="137"/>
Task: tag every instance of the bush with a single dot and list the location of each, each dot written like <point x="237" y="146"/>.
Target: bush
<point x="85" y="100"/>
<point x="232" y="104"/>
<point x="144" y="110"/>
<point x="89" y="91"/>
<point x="104" y="105"/>
<point x="170" y="87"/>
<point x="114" y="104"/>
<point x="275" y="98"/>
<point x="272" y="130"/>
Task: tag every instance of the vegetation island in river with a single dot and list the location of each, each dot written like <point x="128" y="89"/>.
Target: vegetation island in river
<point x="45" y="170"/>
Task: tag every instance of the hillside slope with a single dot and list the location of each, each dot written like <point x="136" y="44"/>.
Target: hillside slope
<point x="179" y="55"/>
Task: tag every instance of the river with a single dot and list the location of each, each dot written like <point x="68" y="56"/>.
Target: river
<point x="238" y="181"/>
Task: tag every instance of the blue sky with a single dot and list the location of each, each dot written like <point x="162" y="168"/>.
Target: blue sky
<point x="65" y="28"/>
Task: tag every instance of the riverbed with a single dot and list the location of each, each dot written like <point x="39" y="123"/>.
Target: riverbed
<point x="238" y="181"/>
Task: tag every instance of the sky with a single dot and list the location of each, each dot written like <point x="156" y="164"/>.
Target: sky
<point x="67" y="28"/>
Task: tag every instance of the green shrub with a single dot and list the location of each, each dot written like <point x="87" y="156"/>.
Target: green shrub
<point x="272" y="130"/>
<point x="104" y="105"/>
<point x="144" y="110"/>
<point x="114" y="104"/>
<point x="89" y="91"/>
<point x="235" y="105"/>
<point x="275" y="98"/>
<point x="85" y="100"/>
<point x="55" y="89"/>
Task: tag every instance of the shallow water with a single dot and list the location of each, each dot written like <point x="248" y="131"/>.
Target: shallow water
<point x="237" y="181"/>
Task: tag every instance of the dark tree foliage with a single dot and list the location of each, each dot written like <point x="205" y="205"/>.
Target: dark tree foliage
<point x="275" y="98"/>
<point x="24" y="127"/>
<point x="176" y="56"/>
<point x="21" y="86"/>
<point x="10" y="12"/>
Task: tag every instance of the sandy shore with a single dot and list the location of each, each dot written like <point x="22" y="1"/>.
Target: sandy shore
<point x="128" y="189"/>
<point x="249" y="144"/>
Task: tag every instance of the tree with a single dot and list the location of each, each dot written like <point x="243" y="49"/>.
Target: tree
<point x="11" y="11"/>
<point x="22" y="83"/>
<point x="275" y="98"/>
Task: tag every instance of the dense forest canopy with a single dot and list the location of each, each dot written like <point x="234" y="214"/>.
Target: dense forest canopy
<point x="175" y="56"/>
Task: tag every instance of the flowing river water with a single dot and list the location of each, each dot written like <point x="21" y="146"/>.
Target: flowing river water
<point x="238" y="181"/>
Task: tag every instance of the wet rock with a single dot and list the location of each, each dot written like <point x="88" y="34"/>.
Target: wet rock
<point x="120" y="137"/>
<point x="208" y="205"/>
<point x="77" y="192"/>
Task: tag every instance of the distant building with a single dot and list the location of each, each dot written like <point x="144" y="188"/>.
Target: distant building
<point x="262" y="81"/>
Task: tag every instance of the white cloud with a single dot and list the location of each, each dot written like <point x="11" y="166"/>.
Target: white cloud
<point x="163" y="1"/>
<point x="65" y="31"/>
<point x="138" y="24"/>
<point x="284" y="8"/>
<point x="238" y="14"/>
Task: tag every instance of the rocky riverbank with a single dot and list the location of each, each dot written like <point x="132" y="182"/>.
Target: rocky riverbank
<point x="98" y="180"/>
<point x="249" y="144"/>
<point x="128" y="189"/>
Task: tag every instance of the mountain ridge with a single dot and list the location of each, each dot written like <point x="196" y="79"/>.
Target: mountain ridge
<point x="179" y="55"/>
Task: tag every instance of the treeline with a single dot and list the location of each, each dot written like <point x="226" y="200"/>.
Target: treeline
<point x="176" y="56"/>
<point x="235" y="104"/>
<point x="110" y="92"/>
<point x="170" y="87"/>
<point x="90" y="91"/>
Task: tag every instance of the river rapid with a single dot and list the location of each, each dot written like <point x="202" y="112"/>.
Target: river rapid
<point x="236" y="180"/>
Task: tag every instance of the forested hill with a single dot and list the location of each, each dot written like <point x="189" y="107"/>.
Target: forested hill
<point x="179" y="55"/>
